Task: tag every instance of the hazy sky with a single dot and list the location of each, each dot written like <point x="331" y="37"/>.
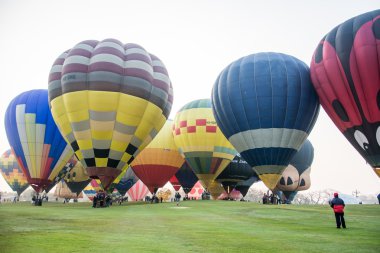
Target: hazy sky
<point x="195" y="39"/>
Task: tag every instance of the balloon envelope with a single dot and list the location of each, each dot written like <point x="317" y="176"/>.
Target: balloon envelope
<point x="266" y="106"/>
<point x="77" y="179"/>
<point x="186" y="177"/>
<point x="127" y="180"/>
<point x="109" y="101"/>
<point x="92" y="188"/>
<point x="35" y="139"/>
<point x="296" y="177"/>
<point x="12" y="173"/>
<point x="66" y="169"/>
<point x="244" y="186"/>
<point x="200" y="141"/>
<point x="345" y="70"/>
<point x="159" y="161"/>
<point x="237" y="170"/>
<point x="138" y="191"/>
<point x="175" y="183"/>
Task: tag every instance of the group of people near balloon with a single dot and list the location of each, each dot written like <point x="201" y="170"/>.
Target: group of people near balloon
<point x="107" y="105"/>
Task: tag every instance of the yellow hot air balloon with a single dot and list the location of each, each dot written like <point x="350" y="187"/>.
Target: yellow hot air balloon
<point x="77" y="179"/>
<point x="159" y="161"/>
<point x="215" y="188"/>
<point x="200" y="141"/>
<point x="109" y="100"/>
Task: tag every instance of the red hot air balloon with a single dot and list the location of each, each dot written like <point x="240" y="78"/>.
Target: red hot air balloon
<point x="345" y="71"/>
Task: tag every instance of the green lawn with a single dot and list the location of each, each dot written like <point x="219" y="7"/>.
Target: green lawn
<point x="197" y="226"/>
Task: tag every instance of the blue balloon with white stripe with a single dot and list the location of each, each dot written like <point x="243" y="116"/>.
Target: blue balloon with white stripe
<point x="266" y="106"/>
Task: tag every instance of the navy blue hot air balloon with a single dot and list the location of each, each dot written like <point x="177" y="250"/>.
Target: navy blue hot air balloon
<point x="296" y="177"/>
<point x="35" y="139"/>
<point x="266" y="106"/>
<point x="238" y="170"/>
<point x="186" y="177"/>
<point x="127" y="180"/>
<point x="243" y="187"/>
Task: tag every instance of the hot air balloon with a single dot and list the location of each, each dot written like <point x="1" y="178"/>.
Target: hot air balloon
<point x="215" y="189"/>
<point x="138" y="191"/>
<point x="77" y="178"/>
<point x="175" y="183"/>
<point x="186" y="177"/>
<point x="200" y="141"/>
<point x="12" y="173"/>
<point x="127" y="180"/>
<point x="35" y="139"/>
<point x="109" y="101"/>
<point x="244" y="186"/>
<point x="266" y="106"/>
<point x="238" y="170"/>
<point x="197" y="191"/>
<point x="63" y="191"/>
<point x="159" y="161"/>
<point x="296" y="177"/>
<point x="92" y="188"/>
<point x="345" y="71"/>
<point x="66" y="169"/>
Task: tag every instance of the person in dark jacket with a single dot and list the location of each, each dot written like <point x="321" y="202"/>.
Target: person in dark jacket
<point x="378" y="198"/>
<point x="338" y="206"/>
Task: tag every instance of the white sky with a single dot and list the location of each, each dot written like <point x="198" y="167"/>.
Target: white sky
<point x="195" y="39"/>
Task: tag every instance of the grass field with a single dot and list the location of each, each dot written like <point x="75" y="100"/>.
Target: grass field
<point x="195" y="226"/>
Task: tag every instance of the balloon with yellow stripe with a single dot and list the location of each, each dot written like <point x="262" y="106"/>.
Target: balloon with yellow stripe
<point x="109" y="101"/>
<point x="200" y="141"/>
<point x="40" y="149"/>
<point x="159" y="161"/>
<point x="12" y="172"/>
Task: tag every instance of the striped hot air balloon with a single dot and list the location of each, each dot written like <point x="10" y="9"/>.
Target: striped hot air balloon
<point x="138" y="191"/>
<point x="12" y="172"/>
<point x="200" y="141"/>
<point x="266" y="106"/>
<point x="35" y="139"/>
<point x="109" y="100"/>
<point x="159" y="161"/>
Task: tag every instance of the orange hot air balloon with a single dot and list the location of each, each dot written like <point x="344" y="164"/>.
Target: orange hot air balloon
<point x="159" y="161"/>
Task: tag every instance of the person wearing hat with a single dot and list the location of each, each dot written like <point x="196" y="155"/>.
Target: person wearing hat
<point x="338" y="206"/>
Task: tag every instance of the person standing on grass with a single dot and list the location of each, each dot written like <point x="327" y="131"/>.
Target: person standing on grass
<point x="378" y="198"/>
<point x="338" y="206"/>
<point x="177" y="198"/>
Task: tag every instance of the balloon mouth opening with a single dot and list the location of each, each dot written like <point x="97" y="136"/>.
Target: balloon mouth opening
<point x="39" y="185"/>
<point x="106" y="175"/>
